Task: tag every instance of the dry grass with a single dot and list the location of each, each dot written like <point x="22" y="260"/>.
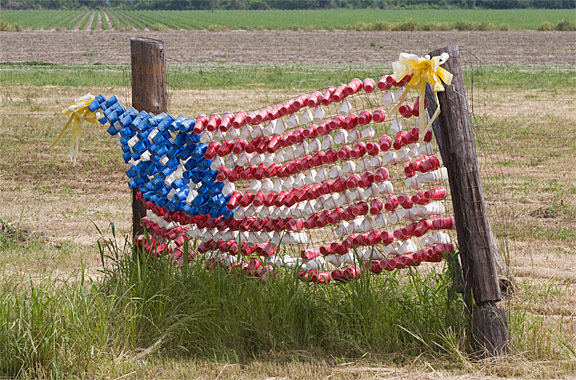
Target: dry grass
<point x="530" y="186"/>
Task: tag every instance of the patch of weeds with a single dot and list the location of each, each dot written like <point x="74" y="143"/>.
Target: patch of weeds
<point x="406" y="26"/>
<point x="159" y="28"/>
<point x="90" y="54"/>
<point x="563" y="234"/>
<point x="565" y="25"/>
<point x="546" y="26"/>
<point x="217" y="28"/>
<point x="6" y="26"/>
<point x="507" y="163"/>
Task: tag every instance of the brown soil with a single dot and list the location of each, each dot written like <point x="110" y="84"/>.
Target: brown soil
<point x="194" y="46"/>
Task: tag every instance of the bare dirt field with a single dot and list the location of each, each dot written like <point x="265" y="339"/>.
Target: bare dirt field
<point x="194" y="46"/>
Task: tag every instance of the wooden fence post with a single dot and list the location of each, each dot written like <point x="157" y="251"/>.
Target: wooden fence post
<point x="455" y="137"/>
<point x="148" y="94"/>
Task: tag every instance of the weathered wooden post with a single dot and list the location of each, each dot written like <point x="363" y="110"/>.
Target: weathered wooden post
<point x="148" y="94"/>
<point x="453" y="129"/>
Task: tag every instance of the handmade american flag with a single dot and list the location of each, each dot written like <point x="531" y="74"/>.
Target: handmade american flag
<point x="328" y="182"/>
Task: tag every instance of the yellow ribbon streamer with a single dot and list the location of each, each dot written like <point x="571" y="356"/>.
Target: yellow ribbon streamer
<point x="78" y="112"/>
<point x="423" y="70"/>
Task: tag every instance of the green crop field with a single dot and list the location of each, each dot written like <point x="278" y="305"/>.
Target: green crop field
<point x="360" y="19"/>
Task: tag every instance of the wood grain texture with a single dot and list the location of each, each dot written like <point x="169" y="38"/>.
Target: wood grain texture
<point x="148" y="94"/>
<point x="453" y="130"/>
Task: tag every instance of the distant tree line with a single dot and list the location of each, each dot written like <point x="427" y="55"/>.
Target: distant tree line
<point x="285" y="4"/>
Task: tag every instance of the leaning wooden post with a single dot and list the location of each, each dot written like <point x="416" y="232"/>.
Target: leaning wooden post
<point x="148" y="94"/>
<point x="453" y="129"/>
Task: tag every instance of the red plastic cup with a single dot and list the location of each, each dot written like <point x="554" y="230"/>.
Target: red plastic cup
<point x="303" y="100"/>
<point x="310" y="131"/>
<point x="211" y="150"/>
<point x="273" y="144"/>
<point x="344" y="153"/>
<point x="248" y="172"/>
<point x="226" y="121"/>
<point x="416" y="108"/>
<point x="352" y="181"/>
<point x="405" y="201"/>
<point x="421" y="228"/>
<point x="322" y="219"/>
<point x="387" y="237"/>
<point x="361" y="208"/>
<point x="296" y="136"/>
<point x="251" y="146"/>
<point x="273" y="112"/>
<point x="372" y="149"/>
<point x="420" y="198"/>
<point x="335" y="216"/>
<point x="261" y="116"/>
<point x="213" y="122"/>
<point x="231" y="175"/>
<point x="368" y="84"/>
<point x="373" y="237"/>
<point x="398" y="140"/>
<point x="310" y="222"/>
<point x="373" y="266"/>
<point x="429" y="164"/>
<point x="327" y="98"/>
<point x="442" y="223"/>
<point x="249" y="118"/>
<point x="342" y="248"/>
<point x="366" y="180"/>
<point x="378" y="116"/>
<point x="268" y="225"/>
<point x="246" y="199"/>
<point x="269" y="200"/>
<point x="200" y="124"/>
<point x="330" y="157"/>
<point x="408" y="231"/>
<point x="258" y="198"/>
<point x="376" y="206"/>
<point x="436" y="194"/>
<point x="381" y="175"/>
<point x="336" y="122"/>
<point x="270" y="171"/>
<point x="364" y="118"/>
<point x="341" y="184"/>
<point x="339" y="94"/>
<point x="354" y="86"/>
<point x="412" y="136"/>
<point x="225" y="148"/>
<point x="325" y="187"/>
<point x="359" y="150"/>
<point x="405" y="111"/>
<point x="385" y="143"/>
<point x="262" y="146"/>
<point x="239" y="146"/>
<point x="310" y="253"/>
<point x="383" y="83"/>
<point x="409" y="173"/>
<point x="286" y="108"/>
<point x="314" y="99"/>
<point x="246" y="223"/>
<point x="350" y="122"/>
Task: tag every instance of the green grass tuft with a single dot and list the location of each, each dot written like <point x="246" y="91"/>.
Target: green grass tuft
<point x="65" y="329"/>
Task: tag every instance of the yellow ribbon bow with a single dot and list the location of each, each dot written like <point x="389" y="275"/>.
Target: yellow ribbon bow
<point x="78" y="112"/>
<point x="423" y="70"/>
